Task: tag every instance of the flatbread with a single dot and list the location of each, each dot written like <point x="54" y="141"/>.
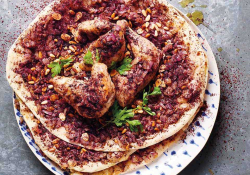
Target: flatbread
<point x="123" y="167"/>
<point x="128" y="166"/>
<point x="196" y="55"/>
<point x="42" y="143"/>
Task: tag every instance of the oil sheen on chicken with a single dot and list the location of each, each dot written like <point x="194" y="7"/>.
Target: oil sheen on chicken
<point x="110" y="46"/>
<point x="144" y="67"/>
<point x="91" y="98"/>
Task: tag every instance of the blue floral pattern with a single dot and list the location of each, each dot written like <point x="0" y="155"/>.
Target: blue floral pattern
<point x="182" y="153"/>
<point x="35" y="149"/>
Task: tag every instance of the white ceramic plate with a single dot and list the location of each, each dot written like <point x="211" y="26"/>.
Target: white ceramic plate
<point x="176" y="158"/>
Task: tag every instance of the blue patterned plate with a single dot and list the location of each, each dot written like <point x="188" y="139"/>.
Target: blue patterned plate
<point x="178" y="156"/>
<point x="34" y="148"/>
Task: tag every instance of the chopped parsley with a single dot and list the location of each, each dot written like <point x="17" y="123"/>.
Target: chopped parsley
<point x="126" y="66"/>
<point x="156" y="91"/>
<point x="88" y="58"/>
<point x="56" y="67"/>
<point x="133" y="125"/>
<point x="148" y="110"/>
<point x="122" y="116"/>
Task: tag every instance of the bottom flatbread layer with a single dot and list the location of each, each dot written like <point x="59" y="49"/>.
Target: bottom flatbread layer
<point x="66" y="155"/>
<point x="130" y="161"/>
<point x="144" y="156"/>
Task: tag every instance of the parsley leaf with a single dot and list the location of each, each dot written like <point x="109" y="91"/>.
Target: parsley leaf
<point x="122" y="116"/>
<point x="156" y="91"/>
<point x="97" y="55"/>
<point x="66" y="62"/>
<point x="113" y="65"/>
<point x="57" y="66"/>
<point x="148" y="110"/>
<point x="126" y="66"/>
<point x="88" y="58"/>
<point x="133" y="125"/>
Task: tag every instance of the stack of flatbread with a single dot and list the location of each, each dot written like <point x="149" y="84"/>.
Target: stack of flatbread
<point x="105" y="87"/>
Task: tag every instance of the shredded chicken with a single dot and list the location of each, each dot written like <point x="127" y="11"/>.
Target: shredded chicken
<point x="91" y="98"/>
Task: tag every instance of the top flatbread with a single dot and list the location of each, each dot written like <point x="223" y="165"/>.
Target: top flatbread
<point x="196" y="55"/>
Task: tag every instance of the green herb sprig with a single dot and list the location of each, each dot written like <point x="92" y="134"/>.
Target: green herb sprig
<point x="56" y="67"/>
<point x="122" y="116"/>
<point x="126" y="66"/>
<point x="88" y="57"/>
<point x="156" y="91"/>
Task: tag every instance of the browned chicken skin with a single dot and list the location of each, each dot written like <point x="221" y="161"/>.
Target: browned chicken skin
<point x="111" y="46"/>
<point x="144" y="67"/>
<point x="92" y="29"/>
<point x="90" y="98"/>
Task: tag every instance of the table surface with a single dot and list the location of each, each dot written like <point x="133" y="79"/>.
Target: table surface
<point x="226" y="26"/>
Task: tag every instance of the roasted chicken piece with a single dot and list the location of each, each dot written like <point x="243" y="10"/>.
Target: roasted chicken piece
<point x="144" y="67"/>
<point x="91" y="98"/>
<point x="92" y="29"/>
<point x="110" y="46"/>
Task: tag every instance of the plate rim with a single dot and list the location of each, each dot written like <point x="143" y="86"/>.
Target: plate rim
<point x="219" y="85"/>
<point x="54" y="169"/>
